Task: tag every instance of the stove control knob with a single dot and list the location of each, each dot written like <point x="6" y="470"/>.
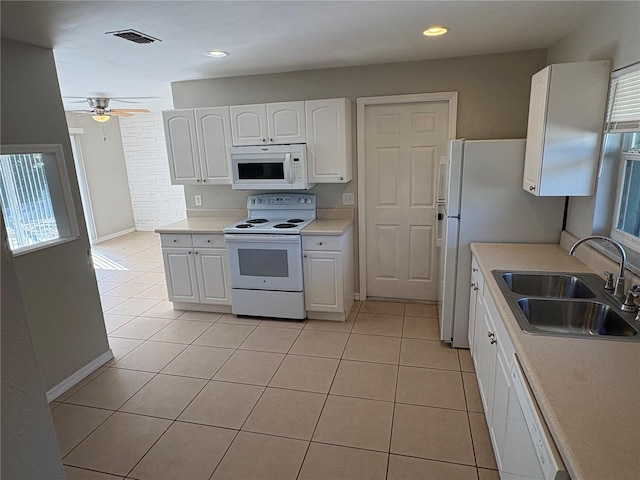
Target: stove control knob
<point x="308" y="200"/>
<point x="252" y="201"/>
<point x="301" y="200"/>
<point x="258" y="201"/>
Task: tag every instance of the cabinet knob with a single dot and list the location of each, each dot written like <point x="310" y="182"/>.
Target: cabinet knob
<point x="491" y="334"/>
<point x="196" y="253"/>
<point x="341" y="178"/>
<point x="174" y="240"/>
<point x="204" y="181"/>
<point x="475" y="289"/>
<point x="474" y="269"/>
<point x="305" y="256"/>
<point x="264" y="140"/>
<point x="208" y="241"/>
<point x="189" y="253"/>
<point x="271" y="140"/>
<point x="319" y="243"/>
<point x="198" y="180"/>
<point x="493" y="341"/>
<point x="532" y="188"/>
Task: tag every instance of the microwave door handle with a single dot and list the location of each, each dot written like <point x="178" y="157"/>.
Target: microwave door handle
<point x="287" y="168"/>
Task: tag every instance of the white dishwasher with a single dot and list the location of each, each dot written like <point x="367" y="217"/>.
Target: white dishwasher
<point x="534" y="454"/>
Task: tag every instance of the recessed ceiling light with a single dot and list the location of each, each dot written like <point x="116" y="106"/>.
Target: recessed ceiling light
<point x="435" y="31"/>
<point x="217" y="53"/>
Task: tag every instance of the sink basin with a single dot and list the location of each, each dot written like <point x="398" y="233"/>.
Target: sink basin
<point x="582" y="318"/>
<point x="547" y="285"/>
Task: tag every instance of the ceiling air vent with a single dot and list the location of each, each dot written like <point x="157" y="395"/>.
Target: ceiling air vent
<point x="133" y="36"/>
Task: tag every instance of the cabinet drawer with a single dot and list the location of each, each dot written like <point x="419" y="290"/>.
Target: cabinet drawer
<point x="321" y="242"/>
<point x="175" y="240"/>
<point x="208" y="240"/>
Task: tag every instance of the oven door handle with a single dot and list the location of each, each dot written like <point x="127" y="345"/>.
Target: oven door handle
<point x="261" y="238"/>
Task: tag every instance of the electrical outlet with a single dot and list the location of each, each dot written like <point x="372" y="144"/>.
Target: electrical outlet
<point x="348" y="198"/>
<point x="198" y="200"/>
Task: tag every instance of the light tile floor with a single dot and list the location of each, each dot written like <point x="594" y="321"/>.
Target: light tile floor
<point x="194" y="395"/>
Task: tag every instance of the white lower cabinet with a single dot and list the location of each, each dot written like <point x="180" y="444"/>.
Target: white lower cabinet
<point x="196" y="270"/>
<point x="494" y="356"/>
<point x="180" y="271"/>
<point x="328" y="275"/>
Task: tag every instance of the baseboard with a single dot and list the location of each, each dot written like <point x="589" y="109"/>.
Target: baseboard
<point x="80" y="375"/>
<point x="115" y="235"/>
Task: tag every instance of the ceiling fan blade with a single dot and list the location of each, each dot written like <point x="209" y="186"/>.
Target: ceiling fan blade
<point x="80" y="111"/>
<point x="136" y="110"/>
<point x="132" y="99"/>
<point x="120" y="113"/>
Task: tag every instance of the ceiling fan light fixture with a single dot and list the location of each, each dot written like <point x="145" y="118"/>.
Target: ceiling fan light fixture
<point x="217" y="53"/>
<point x="435" y="31"/>
<point x="100" y="118"/>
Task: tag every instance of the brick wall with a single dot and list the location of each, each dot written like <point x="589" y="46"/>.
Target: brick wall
<point x="154" y="200"/>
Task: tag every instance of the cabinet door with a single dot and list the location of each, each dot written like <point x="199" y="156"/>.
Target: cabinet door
<point x="214" y="139"/>
<point x="211" y="268"/>
<point x="473" y="299"/>
<point x="501" y="392"/>
<point x="180" y="271"/>
<point x="286" y="122"/>
<point x="249" y="124"/>
<point x="323" y="291"/>
<point x="536" y="130"/>
<point x="182" y="147"/>
<point x="329" y="140"/>
<point x="485" y="357"/>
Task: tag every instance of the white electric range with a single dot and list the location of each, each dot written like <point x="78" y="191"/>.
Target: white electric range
<point x="265" y="255"/>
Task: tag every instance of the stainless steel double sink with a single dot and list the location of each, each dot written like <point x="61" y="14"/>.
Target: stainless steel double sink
<point x="565" y="304"/>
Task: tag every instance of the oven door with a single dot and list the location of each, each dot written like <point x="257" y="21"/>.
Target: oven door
<point x="265" y="262"/>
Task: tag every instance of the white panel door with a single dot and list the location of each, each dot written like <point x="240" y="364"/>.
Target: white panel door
<point x="286" y="122"/>
<point x="403" y="146"/>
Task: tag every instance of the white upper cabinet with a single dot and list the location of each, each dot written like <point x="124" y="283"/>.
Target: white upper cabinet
<point x="286" y="122"/>
<point x="182" y="146"/>
<point x="214" y="139"/>
<point x="198" y="144"/>
<point x="329" y="140"/>
<point x="271" y="123"/>
<point x="566" y="118"/>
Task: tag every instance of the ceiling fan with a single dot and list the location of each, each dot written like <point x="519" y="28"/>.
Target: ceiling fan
<point x="101" y="112"/>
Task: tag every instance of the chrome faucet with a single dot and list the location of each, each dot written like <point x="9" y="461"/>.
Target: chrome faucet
<point x="618" y="290"/>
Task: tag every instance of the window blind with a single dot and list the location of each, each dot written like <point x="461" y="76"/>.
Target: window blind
<point x="624" y="104"/>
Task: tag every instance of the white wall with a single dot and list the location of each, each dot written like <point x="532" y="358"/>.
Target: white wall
<point x="106" y="174"/>
<point x="29" y="444"/>
<point x="154" y="200"/>
<point x="611" y="34"/>
<point x="58" y="284"/>
<point x="493" y="101"/>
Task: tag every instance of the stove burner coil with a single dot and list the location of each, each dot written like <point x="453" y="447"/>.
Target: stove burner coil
<point x="295" y="220"/>
<point x="244" y="225"/>
<point x="257" y="220"/>
<point x="285" y="225"/>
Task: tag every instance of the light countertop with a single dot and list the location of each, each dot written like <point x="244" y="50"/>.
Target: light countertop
<point x="320" y="226"/>
<point x="199" y="225"/>
<point x="327" y="226"/>
<point x="588" y="390"/>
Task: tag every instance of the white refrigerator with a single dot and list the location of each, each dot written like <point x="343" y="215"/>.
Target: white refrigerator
<point x="481" y="200"/>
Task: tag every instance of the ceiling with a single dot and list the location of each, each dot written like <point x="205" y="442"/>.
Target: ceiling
<point x="266" y="37"/>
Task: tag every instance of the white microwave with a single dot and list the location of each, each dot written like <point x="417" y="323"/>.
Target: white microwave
<point x="270" y="167"/>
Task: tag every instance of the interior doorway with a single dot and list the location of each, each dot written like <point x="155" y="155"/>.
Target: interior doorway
<point x="85" y="197"/>
<point x="401" y="140"/>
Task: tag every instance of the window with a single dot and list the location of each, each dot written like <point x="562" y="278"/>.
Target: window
<point x="624" y="121"/>
<point x="35" y="197"/>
